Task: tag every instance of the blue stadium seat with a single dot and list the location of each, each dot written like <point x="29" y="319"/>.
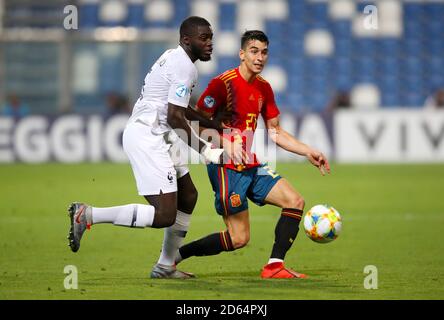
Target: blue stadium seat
<point x="295" y="47"/>
<point x="412" y="47"/>
<point x="388" y="46"/>
<point x="317" y="11"/>
<point x="275" y="29"/>
<point x="297" y="9"/>
<point x="227" y="16"/>
<point x="413" y="99"/>
<point x="226" y="63"/>
<point x="317" y="100"/>
<point x="341" y="29"/>
<point x="135" y="15"/>
<point x="181" y="11"/>
<point x="87" y="104"/>
<point x="434" y="47"/>
<point x="295" y="100"/>
<point x="413" y="10"/>
<point x="343" y="82"/>
<point x="434" y="28"/>
<point x="295" y="82"/>
<point x="296" y="65"/>
<point x="317" y="66"/>
<point x="344" y="47"/>
<point x="390" y="99"/>
<point x="203" y="80"/>
<point x="403" y="68"/>
<point x="295" y="30"/>
<point x="89" y="16"/>
<point x="413" y="65"/>
<point x="365" y="47"/>
<point x="434" y="65"/>
<point x="281" y="99"/>
<point x="435" y="80"/>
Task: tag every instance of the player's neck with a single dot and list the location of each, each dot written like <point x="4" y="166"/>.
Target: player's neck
<point x="246" y="73"/>
<point x="189" y="53"/>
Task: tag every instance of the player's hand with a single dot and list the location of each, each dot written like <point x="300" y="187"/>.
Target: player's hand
<point x="235" y="151"/>
<point x="319" y="160"/>
<point x="221" y="118"/>
<point x="213" y="155"/>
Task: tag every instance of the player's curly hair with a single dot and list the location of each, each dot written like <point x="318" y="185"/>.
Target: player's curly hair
<point x="253" y="35"/>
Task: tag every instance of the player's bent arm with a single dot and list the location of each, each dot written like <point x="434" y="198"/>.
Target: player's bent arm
<point x="204" y="120"/>
<point x="205" y="123"/>
<point x="288" y="142"/>
<point x="176" y="120"/>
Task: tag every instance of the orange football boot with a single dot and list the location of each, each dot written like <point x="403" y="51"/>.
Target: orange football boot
<point x="277" y="270"/>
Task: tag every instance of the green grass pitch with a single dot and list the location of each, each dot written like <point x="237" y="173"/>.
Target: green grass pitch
<point x="393" y="218"/>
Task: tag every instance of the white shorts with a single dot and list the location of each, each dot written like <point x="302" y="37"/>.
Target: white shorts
<point x="154" y="158"/>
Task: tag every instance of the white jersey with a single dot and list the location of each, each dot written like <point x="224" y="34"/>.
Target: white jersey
<point x="170" y="80"/>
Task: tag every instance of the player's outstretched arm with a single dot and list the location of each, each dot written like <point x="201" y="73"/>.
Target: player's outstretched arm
<point x="288" y="142"/>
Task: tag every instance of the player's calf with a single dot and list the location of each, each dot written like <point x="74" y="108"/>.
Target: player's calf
<point x="208" y="246"/>
<point x="240" y="240"/>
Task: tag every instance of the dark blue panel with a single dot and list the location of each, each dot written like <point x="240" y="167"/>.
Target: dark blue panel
<point x="89" y="16"/>
<point x="227" y="16"/>
<point x="181" y="12"/>
<point x="136" y="14"/>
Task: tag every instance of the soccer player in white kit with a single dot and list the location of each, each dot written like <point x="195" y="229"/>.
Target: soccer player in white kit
<point x="148" y="138"/>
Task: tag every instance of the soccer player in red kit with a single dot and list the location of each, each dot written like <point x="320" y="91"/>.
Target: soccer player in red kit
<point x="246" y="95"/>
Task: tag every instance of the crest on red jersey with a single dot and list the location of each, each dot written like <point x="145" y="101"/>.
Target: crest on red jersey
<point x="260" y="103"/>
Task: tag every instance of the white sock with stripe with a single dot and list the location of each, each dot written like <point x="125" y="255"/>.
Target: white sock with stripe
<point x="173" y="238"/>
<point x="273" y="260"/>
<point x="130" y="215"/>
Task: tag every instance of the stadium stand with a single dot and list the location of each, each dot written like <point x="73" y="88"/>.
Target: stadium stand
<point x="317" y="48"/>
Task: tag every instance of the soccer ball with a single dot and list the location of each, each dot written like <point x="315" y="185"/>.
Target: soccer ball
<point x="322" y="223"/>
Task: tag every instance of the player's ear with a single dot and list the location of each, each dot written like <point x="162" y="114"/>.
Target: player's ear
<point x="242" y="55"/>
<point x="186" y="40"/>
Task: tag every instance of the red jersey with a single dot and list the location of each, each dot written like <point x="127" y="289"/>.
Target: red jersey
<point x="230" y="92"/>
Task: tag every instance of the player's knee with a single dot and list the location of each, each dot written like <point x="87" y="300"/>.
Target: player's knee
<point x="164" y="218"/>
<point x="240" y="241"/>
<point x="192" y="198"/>
<point x="188" y="201"/>
<point x="295" y="201"/>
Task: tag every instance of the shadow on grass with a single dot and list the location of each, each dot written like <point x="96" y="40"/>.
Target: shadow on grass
<point x="248" y="284"/>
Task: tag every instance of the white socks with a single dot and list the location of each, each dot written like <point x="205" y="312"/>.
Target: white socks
<point x="173" y="238"/>
<point x="140" y="216"/>
<point x="130" y="215"/>
<point x="272" y="260"/>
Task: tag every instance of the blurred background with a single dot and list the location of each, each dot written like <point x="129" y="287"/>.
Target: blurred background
<point x="324" y="55"/>
<point x="361" y="81"/>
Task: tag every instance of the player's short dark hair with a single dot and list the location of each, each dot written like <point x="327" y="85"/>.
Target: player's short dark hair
<point x="190" y="24"/>
<point x="253" y="35"/>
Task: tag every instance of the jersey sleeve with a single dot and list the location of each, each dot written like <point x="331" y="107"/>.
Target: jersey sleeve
<point x="182" y="81"/>
<point x="214" y="96"/>
<point x="270" y="109"/>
